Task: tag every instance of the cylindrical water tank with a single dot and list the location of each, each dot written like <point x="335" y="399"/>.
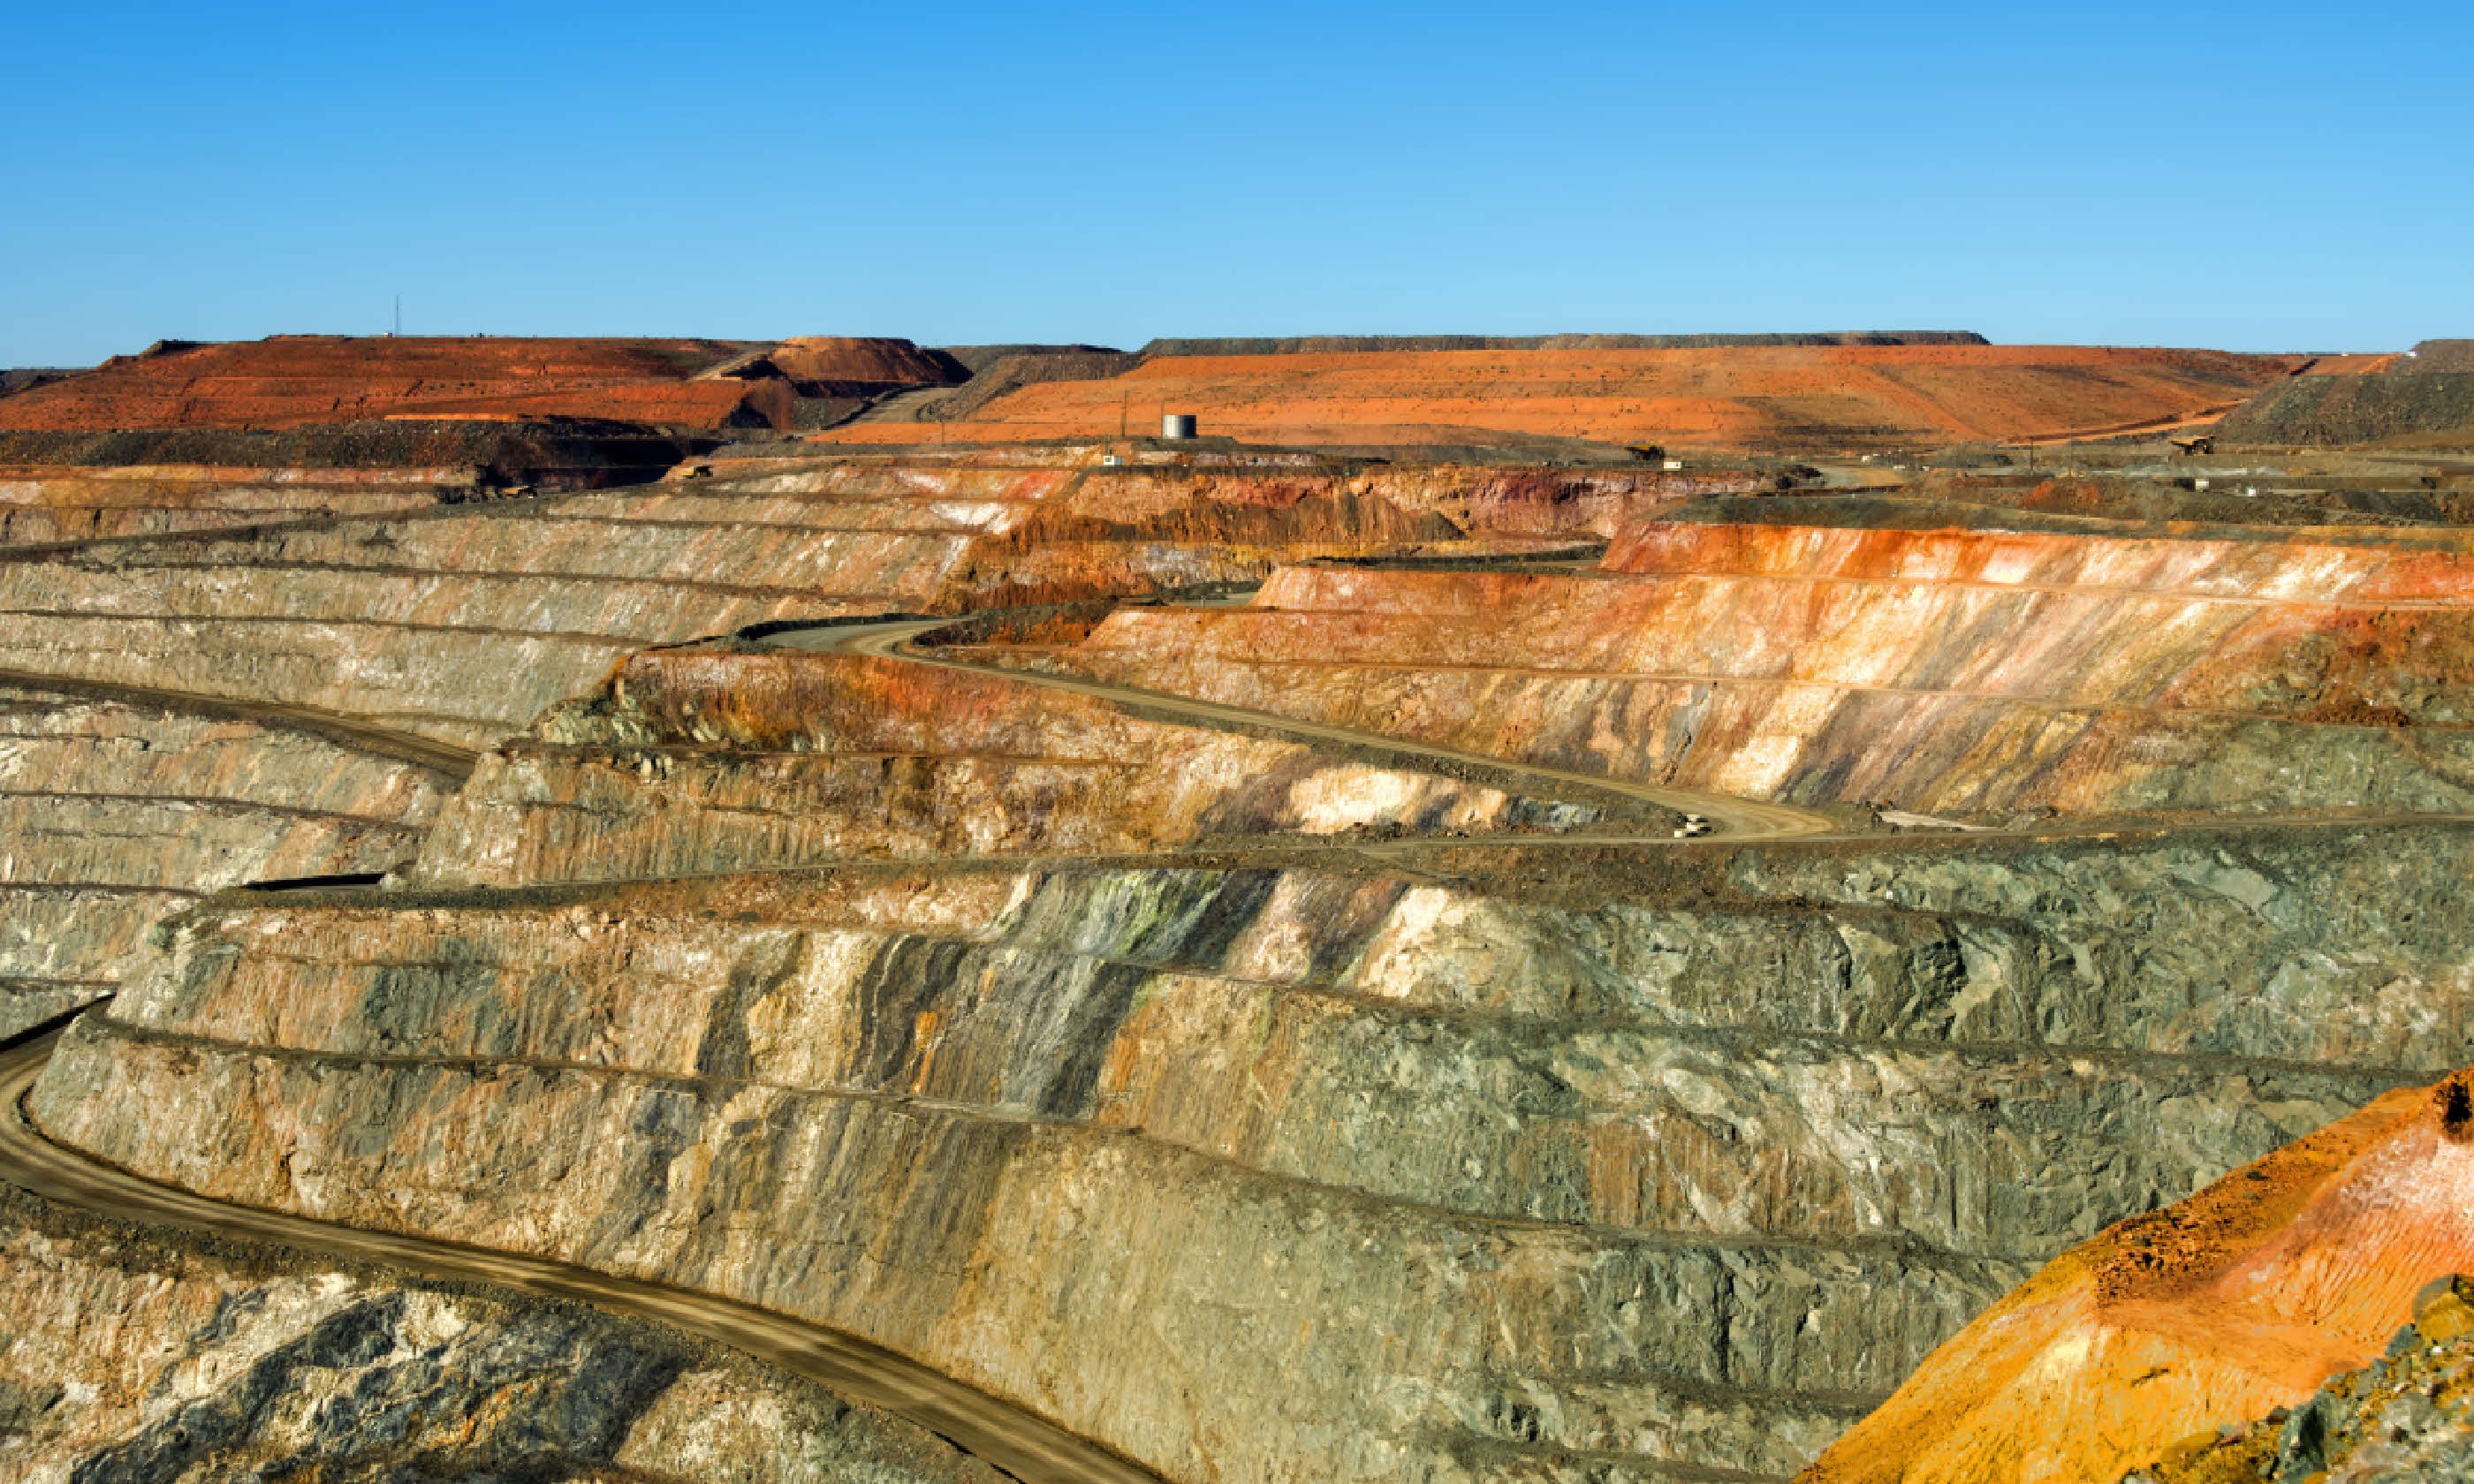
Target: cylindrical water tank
<point x="1176" y="425"/>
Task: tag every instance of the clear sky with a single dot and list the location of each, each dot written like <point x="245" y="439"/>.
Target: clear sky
<point x="2263" y="176"/>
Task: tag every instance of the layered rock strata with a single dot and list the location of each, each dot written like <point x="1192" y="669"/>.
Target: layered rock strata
<point x="150" y="1360"/>
<point x="1947" y="671"/>
<point x="1289" y="1173"/>
<point x="116" y="812"/>
<point x="463" y="623"/>
<point x="45" y="504"/>
<point x="694" y="762"/>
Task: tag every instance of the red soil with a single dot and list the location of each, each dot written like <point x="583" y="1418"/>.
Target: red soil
<point x="1854" y="397"/>
<point x="855" y="358"/>
<point x="289" y="380"/>
<point x="2243" y="1298"/>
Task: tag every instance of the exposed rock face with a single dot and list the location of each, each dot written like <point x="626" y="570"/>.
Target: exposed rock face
<point x="40" y="505"/>
<point x="1304" y="1136"/>
<point x="2017" y="672"/>
<point x="2246" y="1296"/>
<point x="144" y="1360"/>
<point x="694" y="762"/>
<point x="1443" y="1178"/>
<point x="115" y="813"/>
<point x="463" y="623"/>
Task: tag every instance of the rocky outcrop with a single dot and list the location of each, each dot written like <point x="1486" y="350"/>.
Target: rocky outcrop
<point x="1453" y="1179"/>
<point x="149" y="1360"/>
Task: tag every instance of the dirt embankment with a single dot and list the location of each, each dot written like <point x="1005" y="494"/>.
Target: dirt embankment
<point x="863" y="358"/>
<point x="296" y="380"/>
<point x="1331" y="344"/>
<point x="1786" y="397"/>
<point x="1011" y="374"/>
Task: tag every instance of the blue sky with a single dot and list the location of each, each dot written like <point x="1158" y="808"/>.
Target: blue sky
<point x="2257" y="177"/>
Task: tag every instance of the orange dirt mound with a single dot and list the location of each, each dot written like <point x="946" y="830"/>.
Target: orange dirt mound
<point x="289" y="380"/>
<point x="855" y="358"/>
<point x="1769" y="396"/>
<point x="2242" y="1299"/>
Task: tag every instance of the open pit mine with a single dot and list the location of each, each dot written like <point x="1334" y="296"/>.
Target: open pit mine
<point x="1580" y="908"/>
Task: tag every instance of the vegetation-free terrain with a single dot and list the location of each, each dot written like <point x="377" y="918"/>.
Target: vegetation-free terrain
<point x="1864" y="905"/>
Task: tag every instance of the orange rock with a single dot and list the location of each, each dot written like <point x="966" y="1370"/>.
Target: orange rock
<point x="2243" y="1298"/>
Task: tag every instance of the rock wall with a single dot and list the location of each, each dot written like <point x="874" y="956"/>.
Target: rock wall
<point x="2007" y="672"/>
<point x="41" y="505"/>
<point x="463" y="623"/>
<point x="693" y="762"/>
<point x="115" y="813"/>
<point x="1289" y="1174"/>
<point x="150" y="1360"/>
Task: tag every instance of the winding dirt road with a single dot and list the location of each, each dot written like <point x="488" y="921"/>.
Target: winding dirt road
<point x="1021" y="1444"/>
<point x="1738" y="819"/>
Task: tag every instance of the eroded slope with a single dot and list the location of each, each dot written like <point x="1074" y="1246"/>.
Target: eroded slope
<point x="1953" y="671"/>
